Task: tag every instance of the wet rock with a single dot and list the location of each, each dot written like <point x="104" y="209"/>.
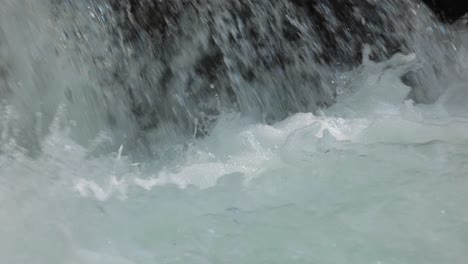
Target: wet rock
<point x="191" y="60"/>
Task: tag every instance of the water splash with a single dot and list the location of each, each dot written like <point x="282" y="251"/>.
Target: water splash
<point x="266" y="60"/>
<point x="374" y="179"/>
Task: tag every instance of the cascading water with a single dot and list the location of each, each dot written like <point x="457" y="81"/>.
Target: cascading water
<point x="232" y="132"/>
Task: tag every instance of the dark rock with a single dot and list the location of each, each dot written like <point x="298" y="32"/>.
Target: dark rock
<point x="270" y="58"/>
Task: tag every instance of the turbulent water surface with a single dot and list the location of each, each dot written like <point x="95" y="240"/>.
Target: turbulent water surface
<point x="374" y="178"/>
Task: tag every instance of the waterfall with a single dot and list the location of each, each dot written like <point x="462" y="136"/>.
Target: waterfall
<point x="232" y="131"/>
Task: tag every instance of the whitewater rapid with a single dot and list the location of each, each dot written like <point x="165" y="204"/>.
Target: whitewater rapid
<point x="373" y="179"/>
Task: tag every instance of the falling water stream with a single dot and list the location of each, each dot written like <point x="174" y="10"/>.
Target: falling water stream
<point x="378" y="176"/>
